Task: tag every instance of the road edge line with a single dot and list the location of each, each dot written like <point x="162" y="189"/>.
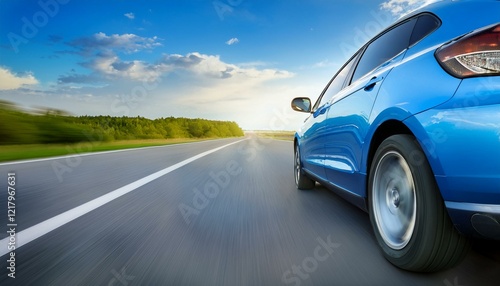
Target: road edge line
<point x="33" y="232"/>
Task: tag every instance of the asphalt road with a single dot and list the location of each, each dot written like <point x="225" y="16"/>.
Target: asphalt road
<point x="231" y="217"/>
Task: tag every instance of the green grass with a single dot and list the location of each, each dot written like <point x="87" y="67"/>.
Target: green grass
<point x="278" y="135"/>
<point x="22" y="152"/>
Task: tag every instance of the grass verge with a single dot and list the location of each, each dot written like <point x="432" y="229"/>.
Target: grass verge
<point x="278" y="135"/>
<point x="23" y="152"/>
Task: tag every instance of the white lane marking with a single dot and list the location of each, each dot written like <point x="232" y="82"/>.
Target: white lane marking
<point x="97" y="153"/>
<point x="26" y="236"/>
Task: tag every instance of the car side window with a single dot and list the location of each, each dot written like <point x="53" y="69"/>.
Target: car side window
<point x="336" y="84"/>
<point x="385" y="48"/>
<point x="425" y="25"/>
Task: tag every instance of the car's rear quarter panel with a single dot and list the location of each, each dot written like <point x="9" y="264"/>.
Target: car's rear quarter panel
<point x="469" y="145"/>
<point x="420" y="84"/>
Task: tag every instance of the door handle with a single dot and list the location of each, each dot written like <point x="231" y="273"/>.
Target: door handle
<point x="371" y="84"/>
<point x="320" y="111"/>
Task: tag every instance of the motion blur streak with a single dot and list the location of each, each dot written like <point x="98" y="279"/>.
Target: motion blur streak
<point x="49" y="225"/>
<point x="257" y="228"/>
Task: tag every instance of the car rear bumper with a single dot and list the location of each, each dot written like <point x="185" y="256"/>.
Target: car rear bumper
<point x="476" y="219"/>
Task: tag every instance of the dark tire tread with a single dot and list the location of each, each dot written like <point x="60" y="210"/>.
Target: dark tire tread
<point x="303" y="182"/>
<point x="436" y="244"/>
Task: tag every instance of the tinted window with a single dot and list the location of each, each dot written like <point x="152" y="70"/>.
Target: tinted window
<point x="337" y="83"/>
<point x="426" y="24"/>
<point x="385" y="48"/>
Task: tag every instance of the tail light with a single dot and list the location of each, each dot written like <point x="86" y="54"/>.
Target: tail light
<point x="476" y="54"/>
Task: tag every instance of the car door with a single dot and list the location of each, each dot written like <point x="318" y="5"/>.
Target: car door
<point x="347" y="119"/>
<point x="314" y="128"/>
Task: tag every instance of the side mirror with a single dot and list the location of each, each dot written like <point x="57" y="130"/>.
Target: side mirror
<point x="301" y="104"/>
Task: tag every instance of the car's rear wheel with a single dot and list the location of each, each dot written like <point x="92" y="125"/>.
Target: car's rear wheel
<point x="301" y="180"/>
<point x="407" y="212"/>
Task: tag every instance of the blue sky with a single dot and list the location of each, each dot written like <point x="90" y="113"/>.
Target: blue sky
<point x="238" y="60"/>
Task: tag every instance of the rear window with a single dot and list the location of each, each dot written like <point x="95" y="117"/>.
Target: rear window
<point x="426" y="24"/>
<point x="385" y="48"/>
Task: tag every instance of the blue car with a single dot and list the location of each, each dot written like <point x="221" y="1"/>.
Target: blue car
<point x="409" y="131"/>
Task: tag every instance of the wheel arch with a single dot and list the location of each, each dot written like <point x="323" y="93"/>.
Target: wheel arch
<point x="409" y="126"/>
<point x="295" y="141"/>
<point x="384" y="131"/>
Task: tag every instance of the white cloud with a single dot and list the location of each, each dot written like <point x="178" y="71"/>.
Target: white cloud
<point x="113" y="68"/>
<point x="254" y="64"/>
<point x="252" y="103"/>
<point x="102" y="53"/>
<point x="104" y="61"/>
<point x="131" y="16"/>
<point x="232" y="41"/>
<point x="401" y="7"/>
<point x="129" y="43"/>
<point x="190" y="85"/>
<point x="213" y="67"/>
<point x="204" y="67"/>
<point x="9" y="80"/>
<point x="324" y="64"/>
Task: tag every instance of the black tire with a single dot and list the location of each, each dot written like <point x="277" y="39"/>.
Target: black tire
<point x="302" y="181"/>
<point x="407" y="212"/>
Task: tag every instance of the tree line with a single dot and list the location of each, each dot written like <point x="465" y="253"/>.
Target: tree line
<point x="55" y="126"/>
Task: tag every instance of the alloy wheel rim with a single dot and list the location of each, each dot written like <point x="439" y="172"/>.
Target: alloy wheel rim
<point x="297" y="166"/>
<point x="394" y="200"/>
